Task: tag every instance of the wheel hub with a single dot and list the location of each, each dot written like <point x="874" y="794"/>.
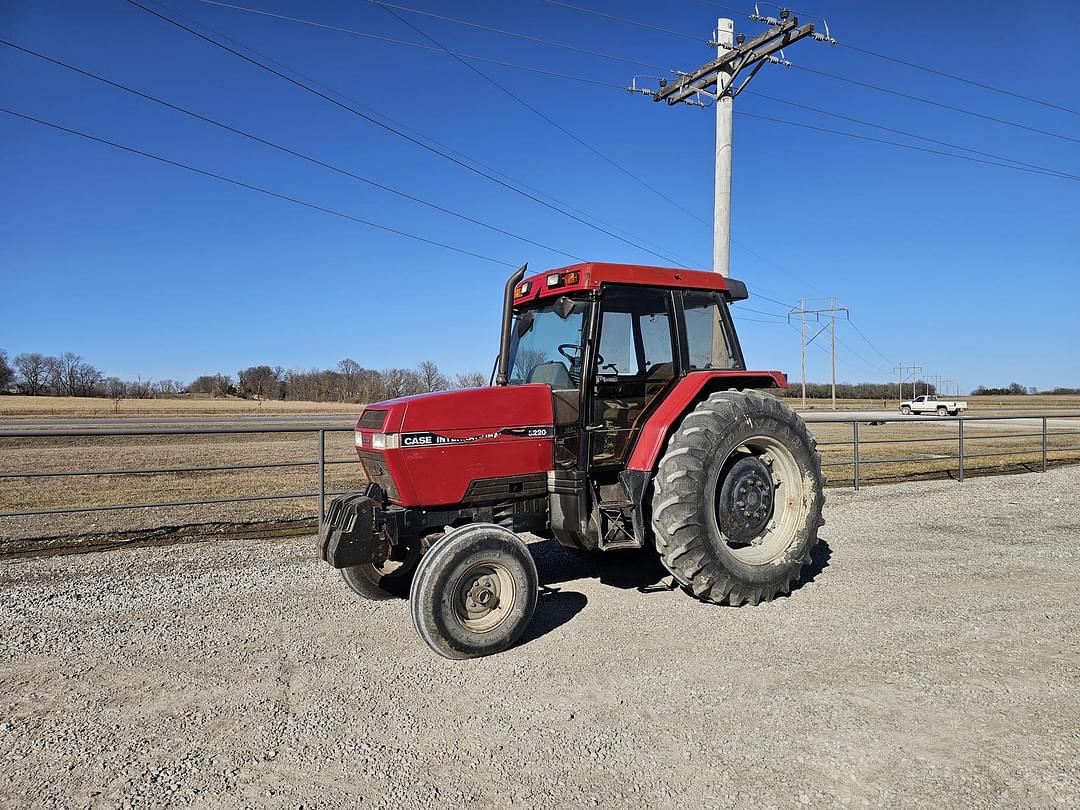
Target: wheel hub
<point x="745" y="506"/>
<point x="480" y="595"/>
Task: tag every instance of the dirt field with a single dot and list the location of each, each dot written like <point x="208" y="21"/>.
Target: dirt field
<point x="930" y="660"/>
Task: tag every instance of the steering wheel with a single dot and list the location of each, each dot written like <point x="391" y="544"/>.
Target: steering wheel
<point x="564" y="349"/>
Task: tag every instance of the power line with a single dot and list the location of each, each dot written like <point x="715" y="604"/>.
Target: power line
<point x="542" y="115"/>
<point x="287" y="150"/>
<point x="397" y="132"/>
<point x="871" y="345"/>
<point x="392" y="41"/>
<point x="755" y="320"/>
<point x="940" y="104"/>
<point x="250" y="187"/>
<point x="406" y="128"/>
<point x="956" y="78"/>
<point x="596" y="13"/>
<point x="900" y="145"/>
<point x="741" y="308"/>
<point x="514" y="34"/>
<point x="911" y="134"/>
<point x="440" y="48"/>
<point x="773" y="300"/>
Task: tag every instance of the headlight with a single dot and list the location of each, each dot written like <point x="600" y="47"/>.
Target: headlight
<point x="384" y="441"/>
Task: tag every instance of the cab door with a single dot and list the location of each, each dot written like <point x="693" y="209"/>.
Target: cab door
<point x="634" y="362"/>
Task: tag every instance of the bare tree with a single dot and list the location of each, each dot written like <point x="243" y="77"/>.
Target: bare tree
<point x="260" y="382"/>
<point x="430" y="378"/>
<point x="471" y="379"/>
<point x="218" y="385"/>
<point x="33" y="373"/>
<point x="168" y="388"/>
<point x="350" y="372"/>
<point x="7" y="373"/>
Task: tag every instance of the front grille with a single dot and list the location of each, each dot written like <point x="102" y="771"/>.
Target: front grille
<point x="372" y="419"/>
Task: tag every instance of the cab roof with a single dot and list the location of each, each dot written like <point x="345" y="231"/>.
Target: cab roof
<point x="591" y="275"/>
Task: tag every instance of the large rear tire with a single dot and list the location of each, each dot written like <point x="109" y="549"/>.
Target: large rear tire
<point x="474" y="592"/>
<point x="737" y="499"/>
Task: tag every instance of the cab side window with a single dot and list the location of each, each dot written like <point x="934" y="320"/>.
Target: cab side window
<point x="707" y="339"/>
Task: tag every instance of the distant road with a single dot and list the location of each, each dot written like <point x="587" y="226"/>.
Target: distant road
<point x="315" y="421"/>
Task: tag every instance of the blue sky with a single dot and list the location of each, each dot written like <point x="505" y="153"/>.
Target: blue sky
<point x="146" y="269"/>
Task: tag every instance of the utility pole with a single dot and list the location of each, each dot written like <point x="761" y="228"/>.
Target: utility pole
<point x="831" y="310"/>
<point x="725" y="39"/>
<point x="802" y="319"/>
<point x="914" y="368"/>
<point x="832" y="314"/>
<point x="716" y="80"/>
<point x="900" y="388"/>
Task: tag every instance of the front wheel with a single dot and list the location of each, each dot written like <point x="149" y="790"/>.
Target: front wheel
<point x="905" y="410"/>
<point x="737" y="499"/>
<point x="474" y="592"/>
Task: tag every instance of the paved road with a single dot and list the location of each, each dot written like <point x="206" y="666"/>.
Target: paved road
<point x="930" y="659"/>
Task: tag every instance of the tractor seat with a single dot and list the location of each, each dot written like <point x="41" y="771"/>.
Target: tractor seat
<point x="553" y="373"/>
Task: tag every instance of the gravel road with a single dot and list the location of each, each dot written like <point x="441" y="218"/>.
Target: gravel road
<point x="932" y="660"/>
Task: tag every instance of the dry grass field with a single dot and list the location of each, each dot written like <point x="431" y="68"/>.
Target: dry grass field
<point x="888" y="452"/>
<point x="20" y="407"/>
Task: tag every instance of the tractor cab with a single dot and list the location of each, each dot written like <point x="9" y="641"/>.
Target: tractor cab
<point x="610" y="340"/>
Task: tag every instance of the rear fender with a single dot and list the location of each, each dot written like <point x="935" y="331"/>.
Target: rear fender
<point x="690" y="390"/>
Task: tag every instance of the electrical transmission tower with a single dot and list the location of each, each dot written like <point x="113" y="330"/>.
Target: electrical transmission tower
<point x="734" y="55"/>
<point x="831" y="310"/>
<point x="913" y="367"/>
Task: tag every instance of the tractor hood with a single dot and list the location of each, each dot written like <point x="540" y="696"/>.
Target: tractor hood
<point x="444" y="448"/>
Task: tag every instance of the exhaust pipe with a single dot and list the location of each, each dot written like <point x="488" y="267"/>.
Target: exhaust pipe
<point x="502" y="376"/>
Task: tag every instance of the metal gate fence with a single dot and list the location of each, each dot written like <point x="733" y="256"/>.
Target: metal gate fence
<point x="1042" y="431"/>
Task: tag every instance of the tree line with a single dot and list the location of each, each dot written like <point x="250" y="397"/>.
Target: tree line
<point x="865" y="390"/>
<point x="70" y="375"/>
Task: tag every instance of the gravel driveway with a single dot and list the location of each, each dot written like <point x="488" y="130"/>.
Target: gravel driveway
<point x="933" y="660"/>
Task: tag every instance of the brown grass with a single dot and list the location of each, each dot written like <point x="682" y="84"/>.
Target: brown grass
<point x="16" y="406"/>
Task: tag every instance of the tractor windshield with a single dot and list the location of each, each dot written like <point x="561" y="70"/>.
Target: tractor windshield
<point x="545" y="346"/>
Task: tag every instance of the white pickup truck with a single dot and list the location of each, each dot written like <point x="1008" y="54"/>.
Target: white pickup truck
<point x="931" y="404"/>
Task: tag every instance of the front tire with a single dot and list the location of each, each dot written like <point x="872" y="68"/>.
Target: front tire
<point x="737" y="499"/>
<point x="905" y="410"/>
<point x="474" y="592"/>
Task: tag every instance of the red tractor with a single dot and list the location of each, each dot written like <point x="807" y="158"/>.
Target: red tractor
<point x="622" y="416"/>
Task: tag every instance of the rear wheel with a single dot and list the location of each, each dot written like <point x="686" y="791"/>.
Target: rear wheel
<point x="391" y="580"/>
<point x="474" y="592"/>
<point x="737" y="499"/>
<point x="942" y="411"/>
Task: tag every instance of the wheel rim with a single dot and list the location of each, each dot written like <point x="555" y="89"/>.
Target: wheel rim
<point x="776" y="513"/>
<point x="484" y="597"/>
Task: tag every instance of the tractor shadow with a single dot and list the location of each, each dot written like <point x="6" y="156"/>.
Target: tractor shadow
<point x="638" y="569"/>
